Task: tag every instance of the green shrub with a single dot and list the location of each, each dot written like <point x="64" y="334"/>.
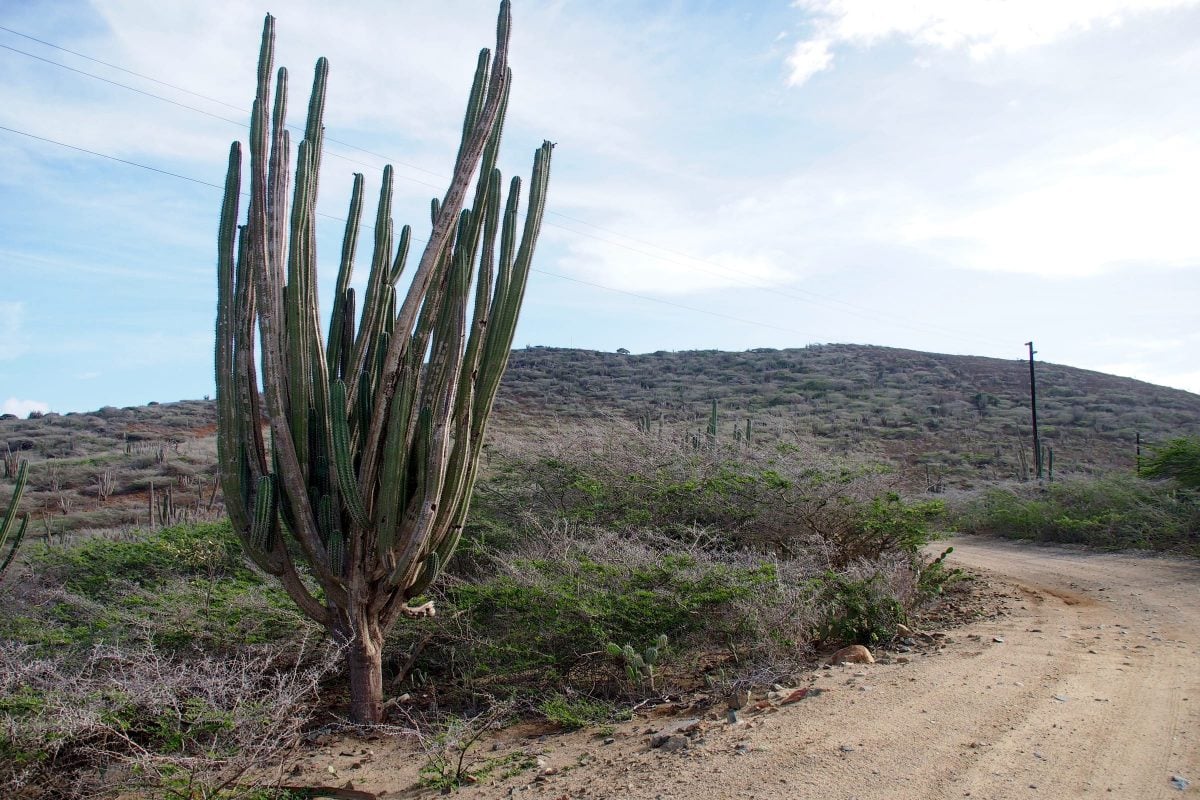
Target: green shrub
<point x="180" y="587"/>
<point x="1178" y="460"/>
<point x="858" y="610"/>
<point x="93" y="567"/>
<point x="547" y="614"/>
<point x="575" y="713"/>
<point x="1114" y="512"/>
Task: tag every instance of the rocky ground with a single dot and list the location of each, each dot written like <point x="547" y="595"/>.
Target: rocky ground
<point x="1082" y="684"/>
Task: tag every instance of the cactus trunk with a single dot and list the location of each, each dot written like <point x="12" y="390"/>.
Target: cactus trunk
<point x="377" y="423"/>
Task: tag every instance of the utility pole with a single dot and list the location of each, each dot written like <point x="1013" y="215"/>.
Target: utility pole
<point x="1037" y="442"/>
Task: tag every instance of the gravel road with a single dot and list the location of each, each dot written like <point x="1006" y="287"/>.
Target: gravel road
<point x="1087" y="686"/>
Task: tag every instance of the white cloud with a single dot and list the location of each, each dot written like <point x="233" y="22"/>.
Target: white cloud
<point x="22" y="407"/>
<point x="982" y="28"/>
<point x="807" y="59"/>
<point x="1070" y="215"/>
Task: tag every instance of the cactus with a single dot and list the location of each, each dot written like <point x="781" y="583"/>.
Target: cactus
<point x="639" y="667"/>
<point x="11" y="463"/>
<point x="10" y="537"/>
<point x="375" y="430"/>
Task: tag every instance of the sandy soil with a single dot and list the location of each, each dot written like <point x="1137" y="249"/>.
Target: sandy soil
<point x="1086" y="686"/>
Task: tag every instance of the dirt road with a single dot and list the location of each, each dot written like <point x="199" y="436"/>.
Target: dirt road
<point x="1089" y="686"/>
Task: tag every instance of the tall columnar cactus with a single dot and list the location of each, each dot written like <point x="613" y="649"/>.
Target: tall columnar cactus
<point x="376" y="429"/>
<point x="11" y="532"/>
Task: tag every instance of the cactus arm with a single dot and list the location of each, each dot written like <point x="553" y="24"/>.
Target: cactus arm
<point x="18" y="537"/>
<point x="341" y="293"/>
<point x="10" y="513"/>
<point x="346" y="480"/>
<point x="401" y="257"/>
<point x="229" y="452"/>
<point x="374" y="299"/>
<point x="464" y="169"/>
<point x="269" y="294"/>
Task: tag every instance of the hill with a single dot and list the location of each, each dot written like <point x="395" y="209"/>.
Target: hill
<point x="942" y="420"/>
<point x="966" y="417"/>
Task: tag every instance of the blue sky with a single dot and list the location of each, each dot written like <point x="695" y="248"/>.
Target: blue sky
<point x="955" y="176"/>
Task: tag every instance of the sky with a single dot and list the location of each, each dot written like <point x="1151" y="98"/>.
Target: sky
<point x="954" y="176"/>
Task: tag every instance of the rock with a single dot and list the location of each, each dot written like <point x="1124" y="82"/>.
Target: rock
<point x="854" y="654"/>
<point x="903" y="630"/>
<point x="678" y="729"/>
<point x="732" y="717"/>
<point x="799" y="695"/>
<point x="738" y="699"/>
<point x="1179" y="782"/>
<point x="675" y="743"/>
<point x="998" y="639"/>
<point x="846" y="748"/>
<point x="689" y="725"/>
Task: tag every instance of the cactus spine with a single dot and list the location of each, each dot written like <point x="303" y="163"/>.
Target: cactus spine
<point x="376" y="428"/>
<point x="11" y="532"/>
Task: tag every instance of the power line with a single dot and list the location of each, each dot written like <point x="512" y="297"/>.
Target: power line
<point x="121" y="85"/>
<point x="118" y="68"/>
<point x="367" y="227"/>
<point x="111" y="158"/>
<point x="726" y="273"/>
<point x="176" y="103"/>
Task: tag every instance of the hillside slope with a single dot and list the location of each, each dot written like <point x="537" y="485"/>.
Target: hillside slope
<point x="966" y="417"/>
<point x="942" y="420"/>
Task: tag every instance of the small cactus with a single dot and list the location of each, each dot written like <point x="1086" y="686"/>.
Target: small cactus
<point x="639" y="667"/>
<point x="10" y="537"/>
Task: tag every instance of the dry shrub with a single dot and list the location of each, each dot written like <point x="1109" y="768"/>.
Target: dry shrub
<point x="126" y="665"/>
<point x="744" y="557"/>
<point x="134" y="719"/>
<point x="787" y="498"/>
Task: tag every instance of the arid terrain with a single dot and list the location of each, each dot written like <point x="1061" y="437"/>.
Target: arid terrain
<point x="748" y="512"/>
<point x="940" y="421"/>
<point x="1081" y="684"/>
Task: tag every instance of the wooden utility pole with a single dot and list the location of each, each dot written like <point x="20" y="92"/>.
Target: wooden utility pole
<point x="1037" y="442"/>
